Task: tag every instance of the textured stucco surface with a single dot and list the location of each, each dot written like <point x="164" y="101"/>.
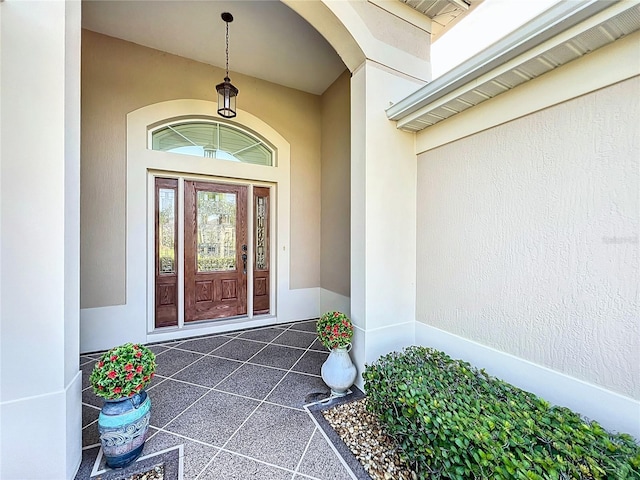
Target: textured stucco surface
<point x="335" y="223"/>
<point x="386" y="28"/>
<point x="528" y="238"/>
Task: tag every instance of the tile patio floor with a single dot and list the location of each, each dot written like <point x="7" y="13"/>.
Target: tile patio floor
<point x="234" y="402"/>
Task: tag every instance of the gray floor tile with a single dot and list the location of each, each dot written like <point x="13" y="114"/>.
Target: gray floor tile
<point x="87" y="360"/>
<point x="217" y="416"/>
<point x="170" y="398"/>
<point x="204" y="345"/>
<point x="208" y="372"/>
<point x="89" y="415"/>
<point x="277" y="356"/>
<point x="150" y="433"/>
<point x="308" y="326"/>
<point x="87" y="368"/>
<point x="274" y="434"/>
<point x="252" y="381"/>
<point x="238" y="349"/>
<point x="296" y="390"/>
<point x="86" y="464"/>
<point x="90" y="435"/>
<point x="91" y="398"/>
<point x="196" y="455"/>
<point x="311" y="362"/>
<point x="229" y="466"/>
<point x="157" y="349"/>
<point x="296" y="339"/>
<point x="321" y="461"/>
<point x="318" y="346"/>
<point x="265" y="335"/>
<point x="156" y="380"/>
<point x="171" y="361"/>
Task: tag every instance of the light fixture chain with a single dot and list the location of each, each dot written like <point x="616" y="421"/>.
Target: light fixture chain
<point x="227" y="49"/>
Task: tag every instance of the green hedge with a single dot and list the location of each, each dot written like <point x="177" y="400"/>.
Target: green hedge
<point x="453" y="421"/>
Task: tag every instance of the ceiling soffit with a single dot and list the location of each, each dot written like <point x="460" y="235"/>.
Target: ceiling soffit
<point x="267" y="39"/>
<point x="442" y="13"/>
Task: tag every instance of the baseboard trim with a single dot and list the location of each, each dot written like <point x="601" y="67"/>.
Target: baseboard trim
<point x="46" y="427"/>
<point x="370" y="345"/>
<point x="103" y="327"/>
<point x="613" y="411"/>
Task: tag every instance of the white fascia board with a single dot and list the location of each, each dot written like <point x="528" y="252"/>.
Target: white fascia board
<point x="580" y="77"/>
<point x="557" y="19"/>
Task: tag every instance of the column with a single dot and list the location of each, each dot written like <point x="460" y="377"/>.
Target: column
<point x="40" y="382"/>
<point x="383" y="217"/>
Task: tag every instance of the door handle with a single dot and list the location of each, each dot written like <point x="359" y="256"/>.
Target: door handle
<point x="244" y="259"/>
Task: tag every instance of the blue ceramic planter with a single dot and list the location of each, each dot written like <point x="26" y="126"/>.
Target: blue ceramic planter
<point x="123" y="425"/>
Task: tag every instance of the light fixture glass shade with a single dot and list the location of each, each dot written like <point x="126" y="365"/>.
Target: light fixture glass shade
<point x="226" y="98"/>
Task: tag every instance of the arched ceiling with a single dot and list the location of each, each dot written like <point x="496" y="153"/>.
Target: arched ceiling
<point x="267" y="39"/>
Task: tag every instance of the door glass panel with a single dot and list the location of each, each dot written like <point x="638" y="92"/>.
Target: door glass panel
<point x="167" y="230"/>
<point x="216" y="231"/>
<point x="261" y="233"/>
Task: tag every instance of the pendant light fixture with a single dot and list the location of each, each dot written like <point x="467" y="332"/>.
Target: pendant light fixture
<point x="227" y="93"/>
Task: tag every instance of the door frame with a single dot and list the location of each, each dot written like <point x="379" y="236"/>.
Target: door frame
<point x="137" y="315"/>
<point x="273" y="284"/>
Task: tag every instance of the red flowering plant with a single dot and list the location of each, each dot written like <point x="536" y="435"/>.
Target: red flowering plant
<point x="334" y="330"/>
<point x="123" y="371"/>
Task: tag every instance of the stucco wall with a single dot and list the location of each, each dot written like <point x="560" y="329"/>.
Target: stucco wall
<point x="336" y="191"/>
<point x="528" y="238"/>
<point x="394" y="30"/>
<point x="119" y="77"/>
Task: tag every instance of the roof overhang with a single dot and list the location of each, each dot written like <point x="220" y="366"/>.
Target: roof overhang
<point x="561" y="34"/>
<point x="443" y="14"/>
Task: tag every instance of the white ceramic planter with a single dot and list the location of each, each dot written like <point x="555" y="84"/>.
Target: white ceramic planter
<point x="338" y="371"/>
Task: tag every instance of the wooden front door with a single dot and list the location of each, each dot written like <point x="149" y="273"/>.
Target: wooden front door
<point x="211" y="282"/>
<point x="215" y="251"/>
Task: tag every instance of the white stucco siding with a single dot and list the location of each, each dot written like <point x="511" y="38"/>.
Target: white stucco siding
<point x="528" y="238"/>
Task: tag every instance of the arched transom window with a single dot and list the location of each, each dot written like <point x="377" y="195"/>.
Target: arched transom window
<point x="211" y="139"/>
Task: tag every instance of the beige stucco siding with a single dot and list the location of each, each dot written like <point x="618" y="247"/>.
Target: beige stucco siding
<point x="119" y="77"/>
<point x="528" y="238"/>
<point x="336" y="190"/>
